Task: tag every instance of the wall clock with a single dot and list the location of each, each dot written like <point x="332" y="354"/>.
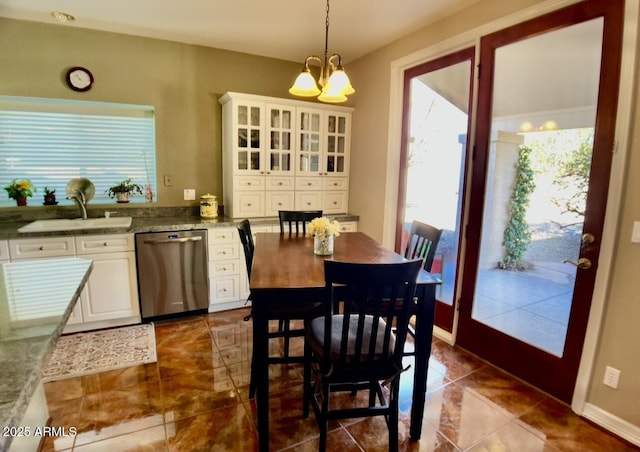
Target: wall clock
<point x="79" y="79"/>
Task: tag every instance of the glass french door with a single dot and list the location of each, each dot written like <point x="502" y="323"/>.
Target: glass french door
<point x="547" y="101"/>
<point x="437" y="105"/>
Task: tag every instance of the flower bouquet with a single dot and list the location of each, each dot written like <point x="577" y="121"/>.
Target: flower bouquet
<point x="323" y="232"/>
<point x="20" y="190"/>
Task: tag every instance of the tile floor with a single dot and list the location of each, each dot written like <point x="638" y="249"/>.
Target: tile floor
<point x="195" y="399"/>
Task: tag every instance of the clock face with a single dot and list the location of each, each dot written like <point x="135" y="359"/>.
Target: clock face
<point x="79" y="79"/>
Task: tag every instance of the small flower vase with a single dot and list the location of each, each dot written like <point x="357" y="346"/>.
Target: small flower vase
<point x="21" y="201"/>
<point x="323" y="246"/>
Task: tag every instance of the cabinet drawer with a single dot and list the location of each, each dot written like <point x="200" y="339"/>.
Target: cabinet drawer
<point x="248" y="204"/>
<point x="308" y="183"/>
<point x="280" y="183"/>
<point x="222" y="235"/>
<point x="224" y="289"/>
<point x="224" y="251"/>
<point x="349" y="226"/>
<point x="38" y="248"/>
<point x="104" y="243"/>
<point x="224" y="267"/>
<point x="335" y="183"/>
<point x="278" y="201"/>
<point x="249" y="183"/>
<point x="4" y="250"/>
<point x="308" y="200"/>
<point x="334" y="202"/>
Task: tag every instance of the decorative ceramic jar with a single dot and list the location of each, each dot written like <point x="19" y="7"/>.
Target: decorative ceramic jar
<point x="208" y="206"/>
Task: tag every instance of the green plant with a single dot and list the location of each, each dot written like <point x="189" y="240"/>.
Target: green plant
<point x="517" y="236"/>
<point x="49" y="191"/>
<point x="20" y="189"/>
<point x="126" y="186"/>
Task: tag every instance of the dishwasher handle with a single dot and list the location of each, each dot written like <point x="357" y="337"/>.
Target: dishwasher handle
<point x="176" y="240"/>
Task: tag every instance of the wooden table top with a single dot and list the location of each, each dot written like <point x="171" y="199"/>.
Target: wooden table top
<point x="283" y="261"/>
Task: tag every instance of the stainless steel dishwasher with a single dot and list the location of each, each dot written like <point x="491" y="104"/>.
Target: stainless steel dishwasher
<point x="172" y="272"/>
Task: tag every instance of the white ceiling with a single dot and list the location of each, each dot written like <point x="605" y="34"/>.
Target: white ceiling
<point x="285" y="29"/>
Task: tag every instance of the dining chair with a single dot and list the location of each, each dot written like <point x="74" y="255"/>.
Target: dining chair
<point x="356" y="350"/>
<point x="284" y="312"/>
<point x="297" y="219"/>
<point x="422" y="244"/>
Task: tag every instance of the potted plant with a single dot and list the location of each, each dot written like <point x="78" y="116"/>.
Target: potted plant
<point x="123" y="190"/>
<point x="20" y="190"/>
<point x="50" y="196"/>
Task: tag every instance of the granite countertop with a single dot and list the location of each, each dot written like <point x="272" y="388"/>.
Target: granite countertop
<point x="25" y="348"/>
<point x="9" y="229"/>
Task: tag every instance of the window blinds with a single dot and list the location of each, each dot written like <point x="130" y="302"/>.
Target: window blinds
<point x="50" y="142"/>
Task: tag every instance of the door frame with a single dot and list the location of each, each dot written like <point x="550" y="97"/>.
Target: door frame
<point x="622" y="133"/>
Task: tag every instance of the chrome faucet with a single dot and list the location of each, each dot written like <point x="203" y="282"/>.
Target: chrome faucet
<point x="80" y="201"/>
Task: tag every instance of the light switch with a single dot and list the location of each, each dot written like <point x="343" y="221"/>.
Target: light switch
<point x="635" y="236"/>
<point x="189" y="194"/>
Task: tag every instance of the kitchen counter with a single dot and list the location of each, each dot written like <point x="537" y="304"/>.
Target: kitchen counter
<point x="43" y="293"/>
<point x="9" y="230"/>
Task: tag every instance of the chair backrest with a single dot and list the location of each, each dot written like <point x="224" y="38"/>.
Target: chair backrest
<point x="246" y="238"/>
<point x="422" y="244"/>
<point x="365" y="290"/>
<point x="297" y="219"/>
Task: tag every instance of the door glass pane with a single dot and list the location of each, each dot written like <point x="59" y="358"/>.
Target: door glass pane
<point x="436" y="151"/>
<point x="242" y="160"/>
<point x="275" y="118"/>
<point x="242" y="115"/>
<point x="255" y="138"/>
<point x="331" y="144"/>
<point x="342" y="124"/>
<point x="275" y="140"/>
<point x="331" y="126"/>
<point x="286" y="140"/>
<point x="255" y="160"/>
<point x="544" y="109"/>
<point x="242" y="138"/>
<point x="314" y="163"/>
<point x="286" y="119"/>
<point x="255" y="116"/>
<point x="286" y="162"/>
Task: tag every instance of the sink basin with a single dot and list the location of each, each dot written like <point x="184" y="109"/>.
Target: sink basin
<point x="76" y="224"/>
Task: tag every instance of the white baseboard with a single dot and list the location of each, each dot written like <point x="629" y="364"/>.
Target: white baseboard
<point x="612" y="423"/>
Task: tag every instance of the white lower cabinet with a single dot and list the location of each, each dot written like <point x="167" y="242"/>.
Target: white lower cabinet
<point x="110" y="296"/>
<point x="224" y="269"/>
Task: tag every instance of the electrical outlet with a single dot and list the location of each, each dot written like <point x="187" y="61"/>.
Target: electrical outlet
<point x="168" y="180"/>
<point x="189" y="194"/>
<point x="611" y="377"/>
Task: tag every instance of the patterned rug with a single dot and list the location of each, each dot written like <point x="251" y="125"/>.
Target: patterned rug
<point x="99" y="351"/>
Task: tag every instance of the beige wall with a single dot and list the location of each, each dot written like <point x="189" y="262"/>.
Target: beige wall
<point x="183" y="82"/>
<point x="620" y="338"/>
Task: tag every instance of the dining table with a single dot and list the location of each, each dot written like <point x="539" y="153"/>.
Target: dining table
<point x="285" y="267"/>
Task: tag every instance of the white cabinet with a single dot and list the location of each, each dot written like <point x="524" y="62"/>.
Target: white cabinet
<point x="4" y="251"/>
<point x="273" y="147"/>
<point x="224" y="269"/>
<point x="110" y="296"/>
<point x="111" y="293"/>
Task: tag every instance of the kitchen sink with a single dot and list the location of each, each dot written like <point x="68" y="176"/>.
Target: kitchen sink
<point x="63" y="224"/>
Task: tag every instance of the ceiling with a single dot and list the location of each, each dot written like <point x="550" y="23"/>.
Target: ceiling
<point x="284" y="29"/>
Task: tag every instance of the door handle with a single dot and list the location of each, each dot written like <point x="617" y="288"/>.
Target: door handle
<point x="588" y="239"/>
<point x="176" y="240"/>
<point x="582" y="263"/>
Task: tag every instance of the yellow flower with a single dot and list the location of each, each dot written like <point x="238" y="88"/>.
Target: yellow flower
<point x="323" y="227"/>
<point x="19" y="189"/>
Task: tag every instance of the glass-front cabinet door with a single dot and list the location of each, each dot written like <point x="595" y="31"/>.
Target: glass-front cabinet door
<point x="309" y="143"/>
<point x="335" y="158"/>
<point x="280" y="137"/>
<point x="249" y="139"/>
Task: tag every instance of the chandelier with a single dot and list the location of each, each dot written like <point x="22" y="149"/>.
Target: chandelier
<point x="333" y="80"/>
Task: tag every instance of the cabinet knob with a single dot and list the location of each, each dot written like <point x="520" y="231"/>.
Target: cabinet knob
<point x="248" y="205"/>
<point x="248" y="183"/>
<point x="279" y="203"/>
<point x="41" y="248"/>
<point x="335" y="202"/>
<point x="105" y="244"/>
<point x="279" y="183"/>
<point x="335" y="184"/>
<point x="309" y="183"/>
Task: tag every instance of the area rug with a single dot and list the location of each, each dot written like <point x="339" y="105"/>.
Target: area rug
<point x="100" y="351"/>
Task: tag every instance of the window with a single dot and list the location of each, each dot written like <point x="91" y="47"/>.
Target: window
<point x="51" y="141"/>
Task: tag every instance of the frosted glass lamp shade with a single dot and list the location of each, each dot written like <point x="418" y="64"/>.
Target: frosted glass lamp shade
<point x="305" y="85"/>
<point x="340" y="81"/>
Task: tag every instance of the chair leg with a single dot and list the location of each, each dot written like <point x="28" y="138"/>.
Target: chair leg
<point x="287" y="326"/>
<point x="252" y="380"/>
<point x="306" y="381"/>
<point x="323" y="423"/>
<point x="393" y="416"/>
